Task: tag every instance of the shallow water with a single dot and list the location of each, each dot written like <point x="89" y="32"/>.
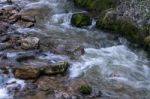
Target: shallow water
<point x="108" y="63"/>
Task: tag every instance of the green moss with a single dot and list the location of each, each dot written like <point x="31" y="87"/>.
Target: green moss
<point x="121" y="25"/>
<point x="97" y="5"/>
<point x="147" y="41"/>
<point x="80" y="19"/>
<point x="85" y="89"/>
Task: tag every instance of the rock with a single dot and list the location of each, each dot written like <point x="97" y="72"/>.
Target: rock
<point x="65" y="47"/>
<point x="56" y="68"/>
<point x="85" y="89"/>
<point x="26" y="72"/>
<point x="30" y="43"/>
<point x="111" y="22"/>
<point x="80" y="20"/>
<point x="4" y="46"/>
<point x="28" y="18"/>
<point x="4" y="38"/>
<point x="24" y="58"/>
<point x="96" y="5"/>
<point x="3" y="27"/>
<point x="147" y="43"/>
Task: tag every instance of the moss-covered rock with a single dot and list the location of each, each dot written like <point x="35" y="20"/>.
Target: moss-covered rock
<point x="81" y="19"/>
<point x="111" y="22"/>
<point x="97" y="5"/>
<point x="85" y="89"/>
<point x="147" y="42"/>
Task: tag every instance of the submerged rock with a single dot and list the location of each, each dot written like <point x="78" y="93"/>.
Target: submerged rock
<point x="26" y="57"/>
<point x="30" y="43"/>
<point x="81" y="19"/>
<point x="56" y="68"/>
<point x="26" y="72"/>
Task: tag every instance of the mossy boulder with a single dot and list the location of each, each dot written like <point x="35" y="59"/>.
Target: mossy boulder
<point x="96" y="5"/>
<point x="112" y="22"/>
<point x="147" y="42"/>
<point x="81" y="19"/>
<point x="85" y="89"/>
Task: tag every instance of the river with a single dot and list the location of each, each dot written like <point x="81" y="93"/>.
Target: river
<point x="109" y="64"/>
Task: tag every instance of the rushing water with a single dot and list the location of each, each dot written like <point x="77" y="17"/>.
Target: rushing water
<point x="108" y="64"/>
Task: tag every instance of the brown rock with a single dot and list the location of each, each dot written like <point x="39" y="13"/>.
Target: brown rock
<point x="56" y="68"/>
<point x="26" y="72"/>
<point x="30" y="43"/>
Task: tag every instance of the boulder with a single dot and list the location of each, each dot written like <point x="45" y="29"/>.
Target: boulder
<point x="96" y="5"/>
<point x="147" y="43"/>
<point x="80" y="20"/>
<point x="30" y="43"/>
<point x="110" y="21"/>
<point x="56" y="68"/>
<point x="26" y="72"/>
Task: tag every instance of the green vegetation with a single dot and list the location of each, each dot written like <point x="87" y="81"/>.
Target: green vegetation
<point x="80" y="19"/>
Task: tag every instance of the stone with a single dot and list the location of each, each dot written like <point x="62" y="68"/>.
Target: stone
<point x="26" y="57"/>
<point x="124" y="26"/>
<point x="3" y="27"/>
<point x="26" y="72"/>
<point x="64" y="47"/>
<point x="27" y="18"/>
<point x="80" y="20"/>
<point x="96" y="5"/>
<point x="56" y="68"/>
<point x="30" y="43"/>
<point x="4" y="46"/>
<point x="85" y="89"/>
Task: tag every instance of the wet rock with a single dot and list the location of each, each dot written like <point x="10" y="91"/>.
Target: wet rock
<point x="85" y="89"/>
<point x="4" y="46"/>
<point x="4" y="38"/>
<point x="30" y="43"/>
<point x="26" y="57"/>
<point x="56" y="68"/>
<point x="26" y="72"/>
<point x="111" y="22"/>
<point x="147" y="44"/>
<point x="70" y="48"/>
<point x="28" y="18"/>
<point x="80" y="19"/>
<point x="96" y="5"/>
<point x="3" y="27"/>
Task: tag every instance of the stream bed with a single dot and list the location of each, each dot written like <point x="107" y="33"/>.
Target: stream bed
<point x="109" y="64"/>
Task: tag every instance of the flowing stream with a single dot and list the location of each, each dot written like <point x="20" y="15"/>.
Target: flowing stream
<point x="108" y="63"/>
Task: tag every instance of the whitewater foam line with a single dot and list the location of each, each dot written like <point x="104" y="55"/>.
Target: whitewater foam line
<point x="117" y="62"/>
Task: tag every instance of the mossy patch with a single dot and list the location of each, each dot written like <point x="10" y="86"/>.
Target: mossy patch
<point x="85" y="89"/>
<point x="110" y="21"/>
<point x="97" y="5"/>
<point x="80" y="19"/>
